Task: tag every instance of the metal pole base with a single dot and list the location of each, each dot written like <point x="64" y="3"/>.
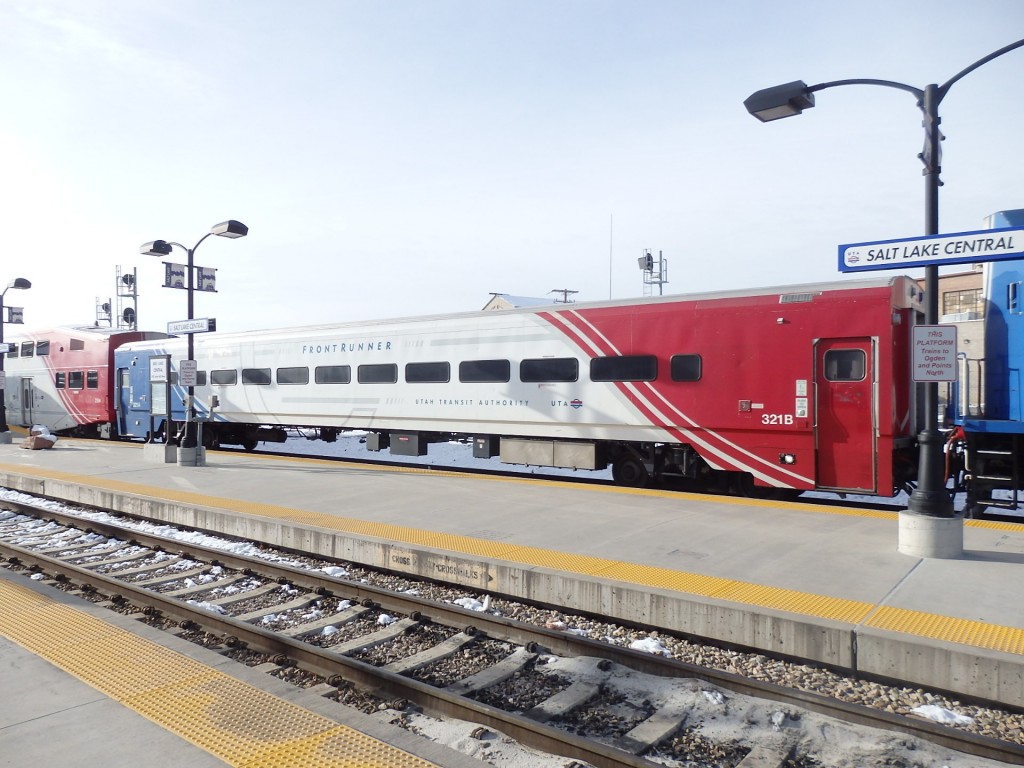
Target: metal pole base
<point x="160" y="453"/>
<point x="6" y="438"/>
<point x="932" y="537"/>
<point x="192" y="457"/>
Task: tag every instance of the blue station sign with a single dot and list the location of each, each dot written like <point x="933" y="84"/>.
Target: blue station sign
<point x="960" y="248"/>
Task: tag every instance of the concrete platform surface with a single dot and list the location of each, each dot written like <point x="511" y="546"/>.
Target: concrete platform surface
<point x="825" y="583"/>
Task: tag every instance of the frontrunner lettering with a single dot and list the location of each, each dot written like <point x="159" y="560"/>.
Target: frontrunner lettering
<point x="328" y="348"/>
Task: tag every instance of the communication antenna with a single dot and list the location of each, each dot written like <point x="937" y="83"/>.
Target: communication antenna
<point x="655" y="271"/>
<point x="127" y="300"/>
<point x="565" y="295"/>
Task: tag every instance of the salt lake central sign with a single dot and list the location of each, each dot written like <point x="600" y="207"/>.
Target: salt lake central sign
<point x="961" y="248"/>
<point x="198" y="325"/>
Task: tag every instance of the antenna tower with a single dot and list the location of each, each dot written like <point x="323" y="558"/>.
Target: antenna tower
<point x="655" y="272"/>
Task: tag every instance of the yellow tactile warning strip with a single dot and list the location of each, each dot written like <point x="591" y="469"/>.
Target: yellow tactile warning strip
<point x="242" y="725"/>
<point x="936" y="626"/>
<point x="974" y="633"/>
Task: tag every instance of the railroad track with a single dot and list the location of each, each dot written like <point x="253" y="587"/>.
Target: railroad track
<point x="548" y="689"/>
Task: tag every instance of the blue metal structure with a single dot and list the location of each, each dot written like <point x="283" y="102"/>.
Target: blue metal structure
<point x="987" y="445"/>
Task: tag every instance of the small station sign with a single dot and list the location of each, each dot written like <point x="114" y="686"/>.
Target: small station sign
<point x="961" y="248"/>
<point x="196" y="325"/>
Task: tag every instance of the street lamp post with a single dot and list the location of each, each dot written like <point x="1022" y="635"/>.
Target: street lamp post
<point x="20" y="284"/>
<point x="930" y="498"/>
<point x="231" y="229"/>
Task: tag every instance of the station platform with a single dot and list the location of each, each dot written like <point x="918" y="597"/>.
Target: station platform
<point x="819" y="582"/>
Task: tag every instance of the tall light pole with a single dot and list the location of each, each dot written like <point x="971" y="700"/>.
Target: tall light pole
<point x="930" y="498"/>
<point x="231" y="229"/>
<point x="21" y="284"/>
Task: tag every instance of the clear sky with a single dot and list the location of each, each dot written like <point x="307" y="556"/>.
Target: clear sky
<point x="401" y="157"/>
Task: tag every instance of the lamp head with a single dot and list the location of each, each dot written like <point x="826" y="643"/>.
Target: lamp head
<point x="20" y="283"/>
<point x="230" y="228"/>
<point x="156" y="248"/>
<point x="780" y="101"/>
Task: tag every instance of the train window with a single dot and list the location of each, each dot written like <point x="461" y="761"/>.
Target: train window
<point x="224" y="377"/>
<point x="59" y="379"/>
<point x="28" y="348"/>
<point x="427" y="373"/>
<point x="42" y="348"/>
<point x="624" y="368"/>
<point x="12" y="350"/>
<point x="255" y="375"/>
<point x="76" y="380"/>
<point x="549" y="369"/>
<point x="377" y="373"/>
<point x="480" y="371"/>
<point x="686" y="367"/>
<point x="298" y="375"/>
<point x="77" y="344"/>
<point x="92" y="380"/>
<point x="332" y="374"/>
<point x="845" y="365"/>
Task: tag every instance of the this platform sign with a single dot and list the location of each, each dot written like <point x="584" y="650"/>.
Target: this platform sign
<point x="188" y="373"/>
<point x="961" y="248"/>
<point x="934" y="353"/>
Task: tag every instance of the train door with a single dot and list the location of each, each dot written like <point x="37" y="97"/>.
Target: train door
<point x="845" y="414"/>
<point x="123" y="401"/>
<point x="27" y="400"/>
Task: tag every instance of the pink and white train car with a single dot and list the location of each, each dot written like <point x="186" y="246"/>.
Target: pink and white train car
<point x="62" y="378"/>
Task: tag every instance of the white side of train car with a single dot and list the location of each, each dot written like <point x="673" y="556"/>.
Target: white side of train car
<point x="572" y="410"/>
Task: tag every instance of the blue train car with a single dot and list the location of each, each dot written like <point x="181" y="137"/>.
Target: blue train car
<point x="987" y="443"/>
<point x="144" y="405"/>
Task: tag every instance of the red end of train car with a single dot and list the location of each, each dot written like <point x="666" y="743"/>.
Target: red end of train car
<point x="804" y="388"/>
<point x="61" y="378"/>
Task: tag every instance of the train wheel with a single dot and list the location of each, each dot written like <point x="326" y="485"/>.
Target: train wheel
<point x="250" y="443"/>
<point x="631" y="472"/>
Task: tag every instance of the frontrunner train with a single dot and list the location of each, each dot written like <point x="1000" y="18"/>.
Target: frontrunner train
<point x="766" y="392"/>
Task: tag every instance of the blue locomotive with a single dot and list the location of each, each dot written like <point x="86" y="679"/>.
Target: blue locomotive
<point x="986" y="446"/>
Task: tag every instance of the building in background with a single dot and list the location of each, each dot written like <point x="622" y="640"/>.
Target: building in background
<point x="962" y="303"/>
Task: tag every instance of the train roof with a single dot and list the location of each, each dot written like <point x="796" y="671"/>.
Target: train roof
<point x="805" y="288"/>
<point x="93" y="331"/>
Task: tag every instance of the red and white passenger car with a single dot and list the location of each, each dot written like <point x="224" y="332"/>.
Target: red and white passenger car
<point x="775" y="389"/>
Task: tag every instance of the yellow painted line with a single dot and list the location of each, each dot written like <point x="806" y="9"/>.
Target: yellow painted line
<point x="653" y="493"/>
<point x="975" y="633"/>
<point x="775" y="598"/>
<point x="236" y="722"/>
